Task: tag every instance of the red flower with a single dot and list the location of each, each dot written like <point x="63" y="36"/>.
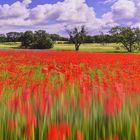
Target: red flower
<point x="44" y="70"/>
<point x="58" y="132"/>
<point x="30" y="124"/>
<point x="64" y="130"/>
<point x="13" y="103"/>
<point x="79" y="135"/>
<point x="26" y="94"/>
<point x="53" y="132"/>
<point x="115" y="137"/>
<point x="11" y="124"/>
<point x="112" y="104"/>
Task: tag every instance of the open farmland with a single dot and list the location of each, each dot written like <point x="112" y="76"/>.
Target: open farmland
<point x="9" y="45"/>
<point x="69" y="96"/>
<point x="59" y="46"/>
<point x="90" y="47"/>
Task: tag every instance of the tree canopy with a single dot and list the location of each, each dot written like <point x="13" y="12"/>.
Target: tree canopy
<point x="127" y="36"/>
<point x="77" y="36"/>
<point x="37" y="40"/>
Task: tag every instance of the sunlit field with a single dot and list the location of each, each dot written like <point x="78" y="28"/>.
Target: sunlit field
<point x="91" y="47"/>
<point x="9" y="45"/>
<point x="88" y="47"/>
<point x="65" y="95"/>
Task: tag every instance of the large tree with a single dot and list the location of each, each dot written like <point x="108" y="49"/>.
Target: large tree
<point x="77" y="36"/>
<point x="127" y="36"/>
<point x="137" y="31"/>
<point x="36" y="40"/>
<point x="3" y="38"/>
<point x="14" y="36"/>
<point x="27" y="39"/>
<point x="42" y="40"/>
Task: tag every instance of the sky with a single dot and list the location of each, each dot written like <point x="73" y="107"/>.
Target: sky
<point x="56" y="16"/>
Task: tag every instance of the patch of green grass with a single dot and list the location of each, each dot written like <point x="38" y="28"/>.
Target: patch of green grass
<point x="90" y="47"/>
<point x="7" y="45"/>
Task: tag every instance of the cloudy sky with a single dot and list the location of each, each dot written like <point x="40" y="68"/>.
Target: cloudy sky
<point x="55" y="16"/>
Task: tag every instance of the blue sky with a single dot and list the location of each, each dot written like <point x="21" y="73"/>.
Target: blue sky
<point x="56" y="15"/>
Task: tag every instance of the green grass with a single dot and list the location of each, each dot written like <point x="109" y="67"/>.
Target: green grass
<point x="7" y="45"/>
<point x="88" y="47"/>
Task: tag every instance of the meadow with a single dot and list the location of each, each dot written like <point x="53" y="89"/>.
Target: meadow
<point x="61" y="46"/>
<point x="9" y="45"/>
<point x="67" y="95"/>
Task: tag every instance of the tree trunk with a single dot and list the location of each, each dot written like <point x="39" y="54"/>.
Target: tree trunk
<point x="77" y="47"/>
<point x="130" y="49"/>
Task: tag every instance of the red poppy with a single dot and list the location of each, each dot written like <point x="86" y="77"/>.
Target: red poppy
<point x="79" y="135"/>
<point x="112" y="104"/>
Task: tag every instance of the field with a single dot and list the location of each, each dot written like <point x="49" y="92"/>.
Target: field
<point x="91" y="47"/>
<point x="65" y="95"/>
<point x="59" y="46"/>
<point x="8" y="45"/>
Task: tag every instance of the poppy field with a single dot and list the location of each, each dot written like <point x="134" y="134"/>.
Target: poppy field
<point x="65" y="95"/>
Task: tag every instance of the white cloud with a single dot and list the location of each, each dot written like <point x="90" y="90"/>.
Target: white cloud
<point x="16" y="10"/>
<point x="123" y="9"/>
<point x="123" y="12"/>
<point x="66" y="13"/>
<point x="69" y="13"/>
<point x="109" y="1"/>
<point x="27" y="2"/>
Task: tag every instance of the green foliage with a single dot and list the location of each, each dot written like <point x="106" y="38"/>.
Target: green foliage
<point x="77" y="36"/>
<point x="27" y="39"/>
<point x="127" y="36"/>
<point x="3" y="38"/>
<point x="24" y="37"/>
<point x="89" y="39"/>
<point x="56" y="37"/>
<point x="42" y="40"/>
<point x="13" y="36"/>
<point x="38" y="40"/>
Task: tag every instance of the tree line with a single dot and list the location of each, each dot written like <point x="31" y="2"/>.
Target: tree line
<point x="33" y="40"/>
<point x="18" y="36"/>
<point x="128" y="37"/>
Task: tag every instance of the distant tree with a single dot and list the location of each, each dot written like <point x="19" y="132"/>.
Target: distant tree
<point x="42" y="40"/>
<point x="56" y="37"/>
<point x="64" y="39"/>
<point x="102" y="38"/>
<point x="89" y="39"/>
<point x="77" y="36"/>
<point x="137" y="31"/>
<point x="13" y="36"/>
<point x="3" y="38"/>
<point x="38" y="40"/>
<point x="127" y="36"/>
<point x="27" y="39"/>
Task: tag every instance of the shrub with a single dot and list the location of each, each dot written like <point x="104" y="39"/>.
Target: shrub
<point x="38" y="40"/>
